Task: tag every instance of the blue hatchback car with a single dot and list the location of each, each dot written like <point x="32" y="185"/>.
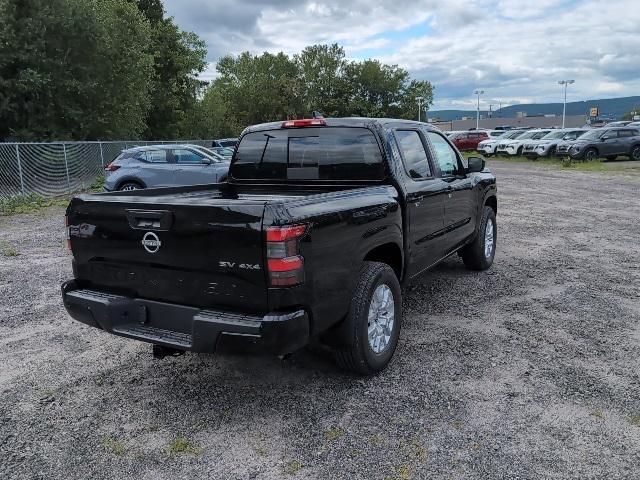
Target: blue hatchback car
<point x="165" y="166"/>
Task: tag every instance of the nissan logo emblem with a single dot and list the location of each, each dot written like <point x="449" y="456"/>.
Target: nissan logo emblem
<point x="151" y="242"/>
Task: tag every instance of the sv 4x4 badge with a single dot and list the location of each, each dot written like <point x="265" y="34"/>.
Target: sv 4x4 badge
<point x="245" y="266"/>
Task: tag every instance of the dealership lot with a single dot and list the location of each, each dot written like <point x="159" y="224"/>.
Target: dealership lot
<point x="528" y="370"/>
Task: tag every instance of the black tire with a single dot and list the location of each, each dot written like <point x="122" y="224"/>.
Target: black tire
<point x="519" y="152"/>
<point x="360" y="356"/>
<point x="590" y="155"/>
<point x="128" y="186"/>
<point x="635" y="153"/>
<point x="552" y="152"/>
<point x="473" y="255"/>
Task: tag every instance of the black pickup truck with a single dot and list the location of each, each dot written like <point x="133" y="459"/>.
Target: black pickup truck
<point x="318" y="225"/>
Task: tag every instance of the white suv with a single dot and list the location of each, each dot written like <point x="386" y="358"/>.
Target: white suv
<point x="488" y="147"/>
<point x="514" y="147"/>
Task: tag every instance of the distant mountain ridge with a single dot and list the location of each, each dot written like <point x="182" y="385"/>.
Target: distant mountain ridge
<point x="613" y="108"/>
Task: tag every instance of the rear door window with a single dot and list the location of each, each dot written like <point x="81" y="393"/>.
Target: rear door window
<point x="413" y="153"/>
<point x="184" y="156"/>
<point x="153" y="156"/>
<point x="316" y="153"/>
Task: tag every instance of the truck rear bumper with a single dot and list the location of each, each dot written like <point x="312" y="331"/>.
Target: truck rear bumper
<point x="182" y="327"/>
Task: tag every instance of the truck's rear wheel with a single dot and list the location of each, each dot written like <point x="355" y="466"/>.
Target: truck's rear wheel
<point x="479" y="254"/>
<point x="373" y="320"/>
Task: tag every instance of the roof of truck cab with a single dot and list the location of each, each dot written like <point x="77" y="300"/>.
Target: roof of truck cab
<point x="365" y="122"/>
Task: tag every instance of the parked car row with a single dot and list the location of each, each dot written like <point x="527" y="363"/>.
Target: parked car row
<point x="577" y="143"/>
<point x="469" y="140"/>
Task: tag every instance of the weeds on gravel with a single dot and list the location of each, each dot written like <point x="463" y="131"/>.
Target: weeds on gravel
<point x="635" y="420"/>
<point x="293" y="467"/>
<point x="334" y="433"/>
<point x="402" y="473"/>
<point x="29" y="203"/>
<point x="8" y="250"/>
<point x="418" y="451"/>
<point x="98" y="185"/>
<point x="183" y="445"/>
<point x="113" y="446"/>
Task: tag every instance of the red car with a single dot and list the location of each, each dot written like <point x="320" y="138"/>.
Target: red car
<point x="468" y="140"/>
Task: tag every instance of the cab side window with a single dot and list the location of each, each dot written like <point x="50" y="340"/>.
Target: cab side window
<point x="445" y="156"/>
<point x="413" y="153"/>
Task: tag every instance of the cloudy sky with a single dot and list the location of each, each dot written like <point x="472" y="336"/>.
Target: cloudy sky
<point x="514" y="50"/>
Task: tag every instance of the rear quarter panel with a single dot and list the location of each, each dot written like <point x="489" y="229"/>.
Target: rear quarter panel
<point x="343" y="227"/>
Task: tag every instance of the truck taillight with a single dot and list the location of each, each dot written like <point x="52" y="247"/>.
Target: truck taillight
<point x="285" y="265"/>
<point x="110" y="167"/>
<point x="67" y="235"/>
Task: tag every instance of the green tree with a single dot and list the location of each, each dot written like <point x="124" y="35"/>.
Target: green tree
<point x="630" y="114"/>
<point x="209" y="117"/>
<point x="178" y="58"/>
<point x="259" y="88"/>
<point x="73" y="69"/>
<point x="379" y="90"/>
<point x="322" y="81"/>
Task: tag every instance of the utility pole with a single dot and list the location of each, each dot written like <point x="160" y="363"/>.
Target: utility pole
<point x="419" y="100"/>
<point x="478" y="93"/>
<point x="566" y="83"/>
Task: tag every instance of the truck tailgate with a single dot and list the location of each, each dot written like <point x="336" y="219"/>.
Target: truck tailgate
<point x="197" y="249"/>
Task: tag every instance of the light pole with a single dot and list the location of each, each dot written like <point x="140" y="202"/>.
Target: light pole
<point x="419" y="100"/>
<point x="478" y="93"/>
<point x="566" y="83"/>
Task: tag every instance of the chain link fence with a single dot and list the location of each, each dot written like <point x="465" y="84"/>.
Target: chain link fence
<point x="60" y="168"/>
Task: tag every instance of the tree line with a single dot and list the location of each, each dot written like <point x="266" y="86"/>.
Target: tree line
<point x="122" y="69"/>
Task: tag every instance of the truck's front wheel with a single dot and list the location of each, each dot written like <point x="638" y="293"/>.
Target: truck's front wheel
<point x="373" y="320"/>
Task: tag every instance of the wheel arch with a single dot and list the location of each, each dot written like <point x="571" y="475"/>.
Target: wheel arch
<point x="122" y="181"/>
<point x="390" y="253"/>
<point x="492" y="201"/>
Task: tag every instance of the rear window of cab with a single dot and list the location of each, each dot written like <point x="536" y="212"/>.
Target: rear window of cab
<point x="311" y="153"/>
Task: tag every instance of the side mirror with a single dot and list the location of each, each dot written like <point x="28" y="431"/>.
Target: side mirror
<point x="207" y="161"/>
<point x="476" y="164"/>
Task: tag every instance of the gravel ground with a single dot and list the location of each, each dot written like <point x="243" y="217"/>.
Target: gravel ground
<point x="528" y="370"/>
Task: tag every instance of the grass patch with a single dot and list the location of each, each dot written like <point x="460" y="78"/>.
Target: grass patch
<point x="567" y="163"/>
<point x="98" y="185"/>
<point x="418" y="451"/>
<point x="8" y="250"/>
<point x="30" y="203"/>
<point x="113" y="446"/>
<point x="334" y="433"/>
<point x="401" y="473"/>
<point x="184" y="446"/>
<point x="597" y="414"/>
<point x="292" y="467"/>
<point x="635" y="420"/>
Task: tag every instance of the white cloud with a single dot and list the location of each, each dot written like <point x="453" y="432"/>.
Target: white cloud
<point x="514" y="50"/>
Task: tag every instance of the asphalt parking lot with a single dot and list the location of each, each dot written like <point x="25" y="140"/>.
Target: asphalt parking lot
<point x="528" y="370"/>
